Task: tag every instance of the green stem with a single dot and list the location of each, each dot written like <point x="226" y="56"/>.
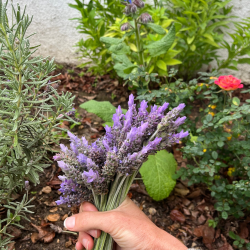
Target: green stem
<point x="138" y="43"/>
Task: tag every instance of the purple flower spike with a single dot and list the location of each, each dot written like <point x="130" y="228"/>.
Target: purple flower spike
<point x="64" y="148"/>
<point x="91" y="175"/>
<point x="57" y="157"/>
<point x="183" y="134"/>
<point x="73" y="138"/>
<point x="62" y="165"/>
<point x="74" y="148"/>
<point x="131" y="100"/>
<point x="180" y="120"/>
<point x="82" y="158"/>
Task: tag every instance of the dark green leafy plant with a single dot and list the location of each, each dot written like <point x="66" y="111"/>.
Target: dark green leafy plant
<point x="220" y="152"/>
<point x="238" y="241"/>
<point x="158" y="63"/>
<point x="134" y="62"/>
<point x="94" y="20"/>
<point x="199" y="31"/>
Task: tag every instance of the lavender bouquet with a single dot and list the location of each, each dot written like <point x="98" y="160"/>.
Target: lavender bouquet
<point x="103" y="172"/>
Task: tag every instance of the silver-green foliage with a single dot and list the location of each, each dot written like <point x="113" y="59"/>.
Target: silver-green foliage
<point x="16" y="211"/>
<point x="28" y="115"/>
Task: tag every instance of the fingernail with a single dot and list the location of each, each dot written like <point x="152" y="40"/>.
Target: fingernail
<point x="93" y="233"/>
<point x="69" y="222"/>
<point x="85" y="244"/>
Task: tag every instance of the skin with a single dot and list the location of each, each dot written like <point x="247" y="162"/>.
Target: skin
<point x="128" y="225"/>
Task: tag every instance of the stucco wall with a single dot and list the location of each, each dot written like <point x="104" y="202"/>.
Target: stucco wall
<point x="57" y="35"/>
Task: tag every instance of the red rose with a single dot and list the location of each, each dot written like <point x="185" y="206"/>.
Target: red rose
<point x="228" y="83"/>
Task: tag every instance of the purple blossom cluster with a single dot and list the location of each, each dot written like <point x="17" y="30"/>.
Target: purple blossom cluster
<point x="126" y="145"/>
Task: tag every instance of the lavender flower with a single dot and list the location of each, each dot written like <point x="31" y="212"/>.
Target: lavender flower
<point x="89" y="168"/>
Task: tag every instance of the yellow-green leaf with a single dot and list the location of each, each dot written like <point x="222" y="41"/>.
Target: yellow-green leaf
<point x="133" y="47"/>
<point x="236" y="101"/>
<point x="193" y="47"/>
<point x="166" y="23"/>
<point x="151" y="69"/>
<point x="190" y="39"/>
<point x="161" y="64"/>
<point x="172" y="62"/>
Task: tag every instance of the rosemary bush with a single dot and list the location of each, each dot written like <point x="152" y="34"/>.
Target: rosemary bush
<point x="30" y="107"/>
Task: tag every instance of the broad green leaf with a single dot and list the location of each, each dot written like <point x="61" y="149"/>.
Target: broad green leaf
<point x="172" y="62"/>
<point x="161" y="64"/>
<point x="104" y="110"/>
<point x="236" y="101"/>
<point x="162" y="46"/>
<point x="119" y="49"/>
<point x="157" y="174"/>
<point x="157" y="28"/>
<point x="129" y="69"/>
<point x="110" y="40"/>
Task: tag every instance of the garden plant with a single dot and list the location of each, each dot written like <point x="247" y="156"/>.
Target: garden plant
<point x="30" y="111"/>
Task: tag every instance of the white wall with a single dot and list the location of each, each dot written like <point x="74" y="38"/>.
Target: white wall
<point x="54" y="31"/>
<point x="57" y="35"/>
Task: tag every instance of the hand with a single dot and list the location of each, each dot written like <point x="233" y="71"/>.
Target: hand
<point x="130" y="228"/>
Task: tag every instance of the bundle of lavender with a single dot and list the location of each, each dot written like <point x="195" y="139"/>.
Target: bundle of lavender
<point x="104" y="171"/>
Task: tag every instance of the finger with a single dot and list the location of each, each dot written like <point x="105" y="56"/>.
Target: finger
<point x="88" y="207"/>
<point x="84" y="240"/>
<point x="86" y="221"/>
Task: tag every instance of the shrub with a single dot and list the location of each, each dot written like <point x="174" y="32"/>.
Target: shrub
<point x="220" y="149"/>
<point x="30" y="108"/>
<point x="199" y="32"/>
<point x="94" y="20"/>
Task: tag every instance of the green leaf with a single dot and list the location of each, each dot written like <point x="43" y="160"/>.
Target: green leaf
<point x="172" y="62"/>
<point x="224" y="215"/>
<point x="161" y="64"/>
<point x="157" y="28"/>
<point x="193" y="138"/>
<point x="236" y="101"/>
<point x="157" y="174"/>
<point x="110" y="40"/>
<point x="190" y="39"/>
<point x="209" y="117"/>
<point x="244" y="60"/>
<point x="215" y="155"/>
<point x="104" y="110"/>
<point x="220" y="143"/>
<point x="162" y="46"/>
<point x="232" y="235"/>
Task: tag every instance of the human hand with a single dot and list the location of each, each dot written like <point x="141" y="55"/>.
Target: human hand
<point x="128" y="225"/>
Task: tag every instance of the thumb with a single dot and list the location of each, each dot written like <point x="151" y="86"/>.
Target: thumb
<point x="86" y="221"/>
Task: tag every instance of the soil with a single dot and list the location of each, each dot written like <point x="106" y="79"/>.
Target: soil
<point x="184" y="214"/>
